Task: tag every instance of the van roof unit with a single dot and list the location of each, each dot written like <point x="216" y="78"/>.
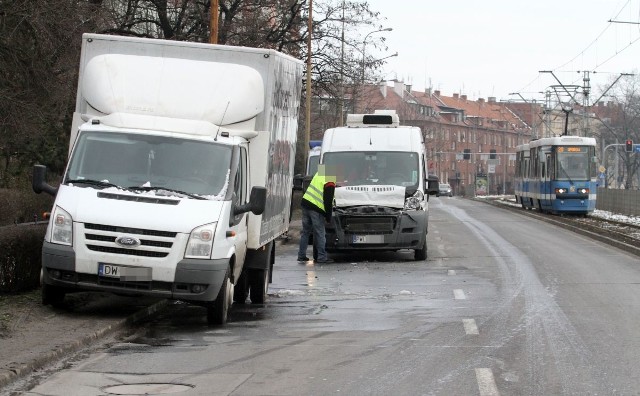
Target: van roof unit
<point x="381" y="118"/>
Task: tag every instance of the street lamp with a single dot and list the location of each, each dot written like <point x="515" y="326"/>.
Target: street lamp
<point x="364" y="43"/>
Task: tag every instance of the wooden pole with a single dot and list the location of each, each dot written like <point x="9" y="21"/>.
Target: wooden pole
<point x="213" y="28"/>
<point x="307" y="134"/>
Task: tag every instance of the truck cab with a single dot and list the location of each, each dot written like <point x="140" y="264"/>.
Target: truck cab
<point x="383" y="188"/>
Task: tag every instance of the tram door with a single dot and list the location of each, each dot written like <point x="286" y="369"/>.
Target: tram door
<point x="545" y="179"/>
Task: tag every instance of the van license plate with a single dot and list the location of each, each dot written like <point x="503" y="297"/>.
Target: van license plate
<point x="368" y="239"/>
<point x="138" y="274"/>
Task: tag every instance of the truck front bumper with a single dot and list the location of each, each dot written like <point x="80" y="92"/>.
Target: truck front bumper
<point x="195" y="280"/>
<point x="376" y="228"/>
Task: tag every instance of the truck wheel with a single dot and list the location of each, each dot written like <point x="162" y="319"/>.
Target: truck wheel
<point x="217" y="310"/>
<point x="258" y="285"/>
<point x="241" y="288"/>
<point x="421" y="254"/>
<point x="52" y="295"/>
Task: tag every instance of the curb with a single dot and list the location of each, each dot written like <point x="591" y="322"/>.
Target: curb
<point x="21" y="370"/>
<point x="58" y="353"/>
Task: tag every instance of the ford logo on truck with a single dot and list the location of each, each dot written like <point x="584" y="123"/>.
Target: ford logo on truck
<point x="127" y="241"/>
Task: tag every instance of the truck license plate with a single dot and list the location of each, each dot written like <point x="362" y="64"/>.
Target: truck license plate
<point x="138" y="274"/>
<point x="368" y="239"/>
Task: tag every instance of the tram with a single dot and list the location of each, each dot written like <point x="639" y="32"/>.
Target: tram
<point x="557" y="175"/>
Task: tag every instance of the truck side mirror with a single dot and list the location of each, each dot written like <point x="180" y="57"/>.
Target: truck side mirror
<point x="39" y="184"/>
<point x="432" y="185"/>
<point x="297" y="182"/>
<point x="257" y="202"/>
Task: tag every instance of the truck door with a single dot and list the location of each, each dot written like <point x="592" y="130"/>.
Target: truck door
<point x="239" y="222"/>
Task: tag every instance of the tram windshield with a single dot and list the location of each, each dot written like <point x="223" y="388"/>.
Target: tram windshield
<point x="573" y="162"/>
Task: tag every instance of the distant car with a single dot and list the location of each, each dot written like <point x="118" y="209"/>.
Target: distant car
<point x="444" y="189"/>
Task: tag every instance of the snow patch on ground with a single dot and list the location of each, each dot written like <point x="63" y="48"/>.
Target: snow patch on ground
<point x="602" y="214"/>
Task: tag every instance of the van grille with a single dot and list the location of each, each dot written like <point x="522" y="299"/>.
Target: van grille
<point x="153" y="243"/>
<point x="369" y="225"/>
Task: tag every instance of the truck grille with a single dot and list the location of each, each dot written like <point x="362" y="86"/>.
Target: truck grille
<point x="369" y="225"/>
<point x="153" y="243"/>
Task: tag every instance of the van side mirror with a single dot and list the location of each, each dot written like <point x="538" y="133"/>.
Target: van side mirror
<point x="257" y="202"/>
<point x="38" y="182"/>
<point x="432" y="185"/>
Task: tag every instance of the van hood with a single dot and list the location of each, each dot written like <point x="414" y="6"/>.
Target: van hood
<point x="117" y="207"/>
<point x="378" y="195"/>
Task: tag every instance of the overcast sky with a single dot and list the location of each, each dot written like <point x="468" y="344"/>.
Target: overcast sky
<point x="495" y="47"/>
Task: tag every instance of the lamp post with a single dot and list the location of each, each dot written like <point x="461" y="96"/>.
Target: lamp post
<point x="364" y="43"/>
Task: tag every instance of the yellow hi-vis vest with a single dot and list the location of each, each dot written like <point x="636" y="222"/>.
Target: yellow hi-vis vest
<point x="315" y="191"/>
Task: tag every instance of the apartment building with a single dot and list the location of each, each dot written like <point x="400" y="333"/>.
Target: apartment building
<point x="470" y="143"/>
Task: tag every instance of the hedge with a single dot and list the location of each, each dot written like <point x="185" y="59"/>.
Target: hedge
<point x="20" y="257"/>
<point x="21" y="206"/>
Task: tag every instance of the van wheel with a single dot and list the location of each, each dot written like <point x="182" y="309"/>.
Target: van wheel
<point x="258" y="285"/>
<point x="421" y="254"/>
<point x="218" y="310"/>
<point x="52" y="295"/>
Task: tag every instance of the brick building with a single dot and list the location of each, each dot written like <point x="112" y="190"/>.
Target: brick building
<point x="487" y="130"/>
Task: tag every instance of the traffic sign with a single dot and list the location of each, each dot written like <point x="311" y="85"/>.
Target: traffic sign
<point x="636" y="148"/>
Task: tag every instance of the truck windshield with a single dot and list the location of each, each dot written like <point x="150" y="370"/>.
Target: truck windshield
<point x="153" y="162"/>
<point x="375" y="167"/>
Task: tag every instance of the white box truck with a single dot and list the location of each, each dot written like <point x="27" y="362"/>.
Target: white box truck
<point x="381" y="202"/>
<point x="179" y="173"/>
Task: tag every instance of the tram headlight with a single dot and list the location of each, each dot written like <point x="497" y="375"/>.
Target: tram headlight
<point x="583" y="190"/>
<point x="561" y="190"/>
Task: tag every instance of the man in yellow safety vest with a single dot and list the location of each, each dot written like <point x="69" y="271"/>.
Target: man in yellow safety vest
<point x="317" y="205"/>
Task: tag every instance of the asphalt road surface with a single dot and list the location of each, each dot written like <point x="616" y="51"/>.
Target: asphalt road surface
<point x="504" y="305"/>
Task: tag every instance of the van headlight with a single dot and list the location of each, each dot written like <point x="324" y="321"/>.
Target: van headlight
<point x="61" y="227"/>
<point x="200" y="242"/>
<point x="414" y="202"/>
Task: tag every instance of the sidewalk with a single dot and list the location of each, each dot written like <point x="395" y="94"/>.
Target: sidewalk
<point x="33" y="335"/>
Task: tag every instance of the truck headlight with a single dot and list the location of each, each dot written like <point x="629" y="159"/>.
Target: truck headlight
<point x="61" y="227"/>
<point x="201" y="242"/>
<point x="414" y="202"/>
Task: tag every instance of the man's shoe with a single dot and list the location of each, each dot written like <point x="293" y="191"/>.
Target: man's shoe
<point x="303" y="259"/>
<point x="325" y="261"/>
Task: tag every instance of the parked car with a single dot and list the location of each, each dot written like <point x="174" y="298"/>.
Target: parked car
<point x="444" y="189"/>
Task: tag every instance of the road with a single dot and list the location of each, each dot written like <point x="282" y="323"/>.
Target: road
<point x="503" y="305"/>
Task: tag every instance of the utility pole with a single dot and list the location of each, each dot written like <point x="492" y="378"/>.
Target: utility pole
<point x="307" y="129"/>
<point x="341" y="106"/>
<point x="213" y="26"/>
<point x="586" y="89"/>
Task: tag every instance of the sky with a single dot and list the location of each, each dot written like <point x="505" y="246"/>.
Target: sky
<point x="497" y="47"/>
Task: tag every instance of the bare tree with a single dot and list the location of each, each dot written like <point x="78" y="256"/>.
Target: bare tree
<point x="38" y="62"/>
<point x="40" y="46"/>
<point x="623" y="123"/>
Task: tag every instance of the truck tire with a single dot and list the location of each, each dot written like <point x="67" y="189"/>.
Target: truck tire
<point x="52" y="295"/>
<point x="218" y="310"/>
<point x="259" y="278"/>
<point x="241" y="288"/>
<point x="259" y="284"/>
<point x="421" y="254"/>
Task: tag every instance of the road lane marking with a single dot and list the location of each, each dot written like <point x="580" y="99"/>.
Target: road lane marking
<point x="486" y="382"/>
<point x="451" y="272"/>
<point x="458" y="294"/>
<point x="470" y="326"/>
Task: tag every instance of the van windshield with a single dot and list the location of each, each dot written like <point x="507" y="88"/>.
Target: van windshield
<point x="375" y="167"/>
<point x="154" y="162"/>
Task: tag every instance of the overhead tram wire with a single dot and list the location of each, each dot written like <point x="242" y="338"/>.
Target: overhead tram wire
<point x="588" y="47"/>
